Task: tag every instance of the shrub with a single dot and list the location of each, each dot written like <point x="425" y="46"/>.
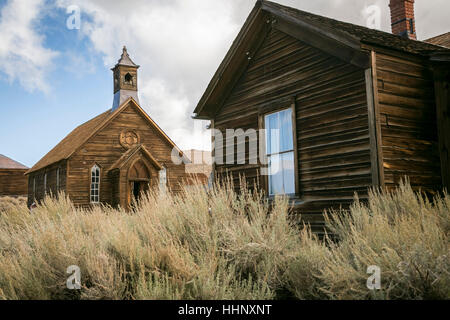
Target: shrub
<point x="402" y="233"/>
<point x="223" y="245"/>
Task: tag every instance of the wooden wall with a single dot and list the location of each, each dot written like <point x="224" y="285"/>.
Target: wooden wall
<point x="407" y="109"/>
<point x="13" y="182"/>
<point x="332" y="119"/>
<point x="105" y="149"/>
<point x="38" y="177"/>
<point x="442" y="94"/>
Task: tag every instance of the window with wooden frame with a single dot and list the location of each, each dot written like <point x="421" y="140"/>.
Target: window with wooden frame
<point x="95" y="184"/>
<point x="281" y="151"/>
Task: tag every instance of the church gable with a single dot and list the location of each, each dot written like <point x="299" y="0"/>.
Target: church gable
<point x="127" y="130"/>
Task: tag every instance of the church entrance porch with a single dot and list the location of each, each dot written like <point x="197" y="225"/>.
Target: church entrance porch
<point x="133" y="175"/>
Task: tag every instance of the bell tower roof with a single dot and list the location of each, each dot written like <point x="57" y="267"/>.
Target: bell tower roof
<point x="125" y="59"/>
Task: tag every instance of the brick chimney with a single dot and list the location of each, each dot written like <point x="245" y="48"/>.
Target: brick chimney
<point x="402" y="18"/>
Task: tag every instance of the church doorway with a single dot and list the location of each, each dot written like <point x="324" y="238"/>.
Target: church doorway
<point x="138" y="182"/>
<point x="138" y="189"/>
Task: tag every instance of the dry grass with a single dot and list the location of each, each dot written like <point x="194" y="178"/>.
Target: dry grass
<point x="7" y="203"/>
<point x="225" y="246"/>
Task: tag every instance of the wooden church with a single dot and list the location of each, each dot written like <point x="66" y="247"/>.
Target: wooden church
<point x="114" y="157"/>
<point x="354" y="107"/>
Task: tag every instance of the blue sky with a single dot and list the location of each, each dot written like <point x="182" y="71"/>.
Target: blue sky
<point x="33" y="122"/>
<point x="52" y="79"/>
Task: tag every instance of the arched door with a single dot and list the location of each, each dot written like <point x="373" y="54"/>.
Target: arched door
<point x="138" y="181"/>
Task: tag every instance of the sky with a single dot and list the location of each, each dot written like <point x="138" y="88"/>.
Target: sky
<point x="55" y="74"/>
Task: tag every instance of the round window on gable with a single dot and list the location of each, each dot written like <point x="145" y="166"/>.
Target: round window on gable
<point x="128" y="79"/>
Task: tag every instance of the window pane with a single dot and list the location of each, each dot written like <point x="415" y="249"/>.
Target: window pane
<point x="281" y="174"/>
<point x="279" y="137"/>
<point x="272" y="133"/>
<point x="286" y="139"/>
<point x="275" y="175"/>
<point x="288" y="172"/>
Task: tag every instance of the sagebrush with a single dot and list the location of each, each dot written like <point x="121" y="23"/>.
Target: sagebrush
<point x="223" y="245"/>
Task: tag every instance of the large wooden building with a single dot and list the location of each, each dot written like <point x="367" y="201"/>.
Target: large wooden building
<point x="13" y="182"/>
<point x="354" y="107"/>
<point x="113" y="157"/>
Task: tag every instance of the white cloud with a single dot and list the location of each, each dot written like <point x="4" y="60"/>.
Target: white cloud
<point x="22" y="55"/>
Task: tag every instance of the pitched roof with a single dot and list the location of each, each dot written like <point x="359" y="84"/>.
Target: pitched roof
<point x="125" y="59"/>
<point x="441" y="40"/>
<point x="74" y="140"/>
<point x="358" y="33"/>
<point x="8" y="163"/>
<point x="341" y="39"/>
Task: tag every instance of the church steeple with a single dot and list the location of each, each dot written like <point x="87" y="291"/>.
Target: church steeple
<point x="125" y="80"/>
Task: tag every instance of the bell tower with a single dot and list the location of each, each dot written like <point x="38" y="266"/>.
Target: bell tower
<point x="125" y="80"/>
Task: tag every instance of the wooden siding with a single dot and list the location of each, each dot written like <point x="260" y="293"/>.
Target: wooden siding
<point x="38" y="177"/>
<point x="13" y="182"/>
<point x="332" y="119"/>
<point x="442" y="93"/>
<point x="407" y="112"/>
<point x="104" y="149"/>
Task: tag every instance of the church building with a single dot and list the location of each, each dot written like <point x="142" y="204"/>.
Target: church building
<point x="114" y="157"/>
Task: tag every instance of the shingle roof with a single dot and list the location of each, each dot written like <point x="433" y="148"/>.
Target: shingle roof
<point x="71" y="142"/>
<point x="441" y="40"/>
<point x="8" y="163"/>
<point x="358" y="33"/>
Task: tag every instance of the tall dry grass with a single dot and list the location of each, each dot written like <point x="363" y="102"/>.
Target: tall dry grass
<point x="221" y="245"/>
<point x="10" y="203"/>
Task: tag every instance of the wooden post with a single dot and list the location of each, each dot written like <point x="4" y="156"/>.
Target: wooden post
<point x="376" y="155"/>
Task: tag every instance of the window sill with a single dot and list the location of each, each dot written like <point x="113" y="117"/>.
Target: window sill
<point x="292" y="198"/>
